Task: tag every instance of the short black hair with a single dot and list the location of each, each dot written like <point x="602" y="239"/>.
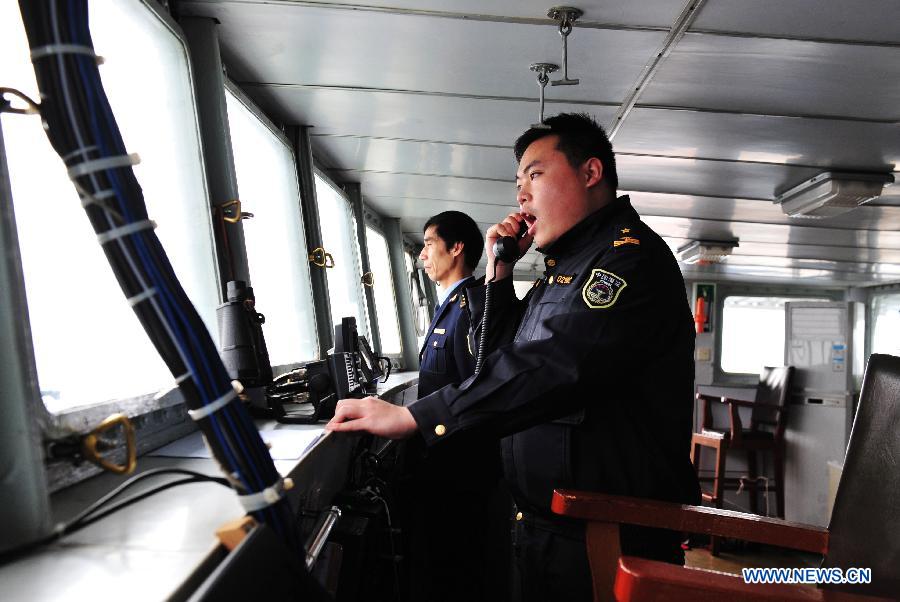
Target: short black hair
<point x="455" y="226"/>
<point x="580" y="138"/>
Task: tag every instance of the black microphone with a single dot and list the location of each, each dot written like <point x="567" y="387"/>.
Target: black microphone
<point x="506" y="248"/>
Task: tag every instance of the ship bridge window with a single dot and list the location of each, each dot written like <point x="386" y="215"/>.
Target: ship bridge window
<point x="339" y="238"/>
<point x="383" y="287"/>
<point x="88" y="345"/>
<point x="886" y="324"/>
<point x="274" y="236"/>
<point x="753" y="332"/>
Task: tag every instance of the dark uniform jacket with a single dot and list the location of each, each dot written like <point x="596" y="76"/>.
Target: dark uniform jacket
<point x="444" y="500"/>
<point x="590" y="380"/>
<point x="447" y="356"/>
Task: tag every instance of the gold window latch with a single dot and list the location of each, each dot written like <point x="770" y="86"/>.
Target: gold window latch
<point x="320" y="258"/>
<point x="231" y="212"/>
<point x="368" y="279"/>
<point x="30" y="108"/>
<point x="92" y="444"/>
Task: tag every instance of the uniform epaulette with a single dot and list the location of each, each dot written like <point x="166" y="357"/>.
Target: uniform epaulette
<point x="625" y="236"/>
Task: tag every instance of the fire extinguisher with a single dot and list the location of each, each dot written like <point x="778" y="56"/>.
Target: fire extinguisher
<point x="700" y="314"/>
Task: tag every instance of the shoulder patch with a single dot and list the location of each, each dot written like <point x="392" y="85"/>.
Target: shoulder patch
<point x="602" y="289"/>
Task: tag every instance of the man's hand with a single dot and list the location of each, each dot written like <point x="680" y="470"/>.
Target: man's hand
<point x="373" y="415"/>
<point x="508" y="227"/>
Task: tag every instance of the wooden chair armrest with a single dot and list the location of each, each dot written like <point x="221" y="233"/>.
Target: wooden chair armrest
<point x="641" y="579"/>
<point x="600" y="507"/>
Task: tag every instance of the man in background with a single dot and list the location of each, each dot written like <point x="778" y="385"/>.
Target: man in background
<point x="456" y="520"/>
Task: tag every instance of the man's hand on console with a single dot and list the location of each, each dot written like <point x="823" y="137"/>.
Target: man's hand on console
<point x="372" y="415"/>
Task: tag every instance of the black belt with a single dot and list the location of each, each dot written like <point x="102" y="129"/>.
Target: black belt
<point x="561" y="525"/>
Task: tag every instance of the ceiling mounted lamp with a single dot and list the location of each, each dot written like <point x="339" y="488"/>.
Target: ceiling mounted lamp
<point x="832" y="193"/>
<point x="704" y="252"/>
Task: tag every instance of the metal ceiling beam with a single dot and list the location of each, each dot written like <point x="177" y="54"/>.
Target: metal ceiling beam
<point x="582" y="23"/>
<point x="618" y="153"/>
<point x="682" y="23"/>
<point x="414" y="12"/>
<point x="549" y="101"/>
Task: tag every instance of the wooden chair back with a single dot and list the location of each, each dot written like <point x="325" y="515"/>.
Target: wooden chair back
<point x="772" y="392"/>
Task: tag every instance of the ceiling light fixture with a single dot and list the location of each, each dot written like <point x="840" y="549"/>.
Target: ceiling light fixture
<point x="704" y="252"/>
<point x="832" y="193"/>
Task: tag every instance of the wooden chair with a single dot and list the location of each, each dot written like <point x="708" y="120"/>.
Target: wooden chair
<point x="864" y="531"/>
<point x="766" y="434"/>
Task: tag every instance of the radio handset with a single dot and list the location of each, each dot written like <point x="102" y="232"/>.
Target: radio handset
<point x="506" y="249"/>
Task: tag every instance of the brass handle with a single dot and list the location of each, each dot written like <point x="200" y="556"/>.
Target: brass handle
<point x="237" y="215"/>
<point x="368" y="279"/>
<point x="320" y="258"/>
<point x="92" y="439"/>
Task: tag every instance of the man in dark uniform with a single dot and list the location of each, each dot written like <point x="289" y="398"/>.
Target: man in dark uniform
<point x="453" y="246"/>
<point x="452" y="530"/>
<point x="593" y="389"/>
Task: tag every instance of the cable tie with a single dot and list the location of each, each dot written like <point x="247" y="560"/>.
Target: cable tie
<point x="262" y="499"/>
<point x="89" y="167"/>
<point x="215" y="406"/>
<point x="89" y="199"/>
<point x="184" y="377"/>
<point x="126" y="230"/>
<point x="51" y="49"/>
<point x="142" y="296"/>
<point x="79" y="151"/>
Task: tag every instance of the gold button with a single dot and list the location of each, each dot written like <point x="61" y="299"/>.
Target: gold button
<point x="519" y="516"/>
<point x="551" y="262"/>
<point x="439" y="430"/>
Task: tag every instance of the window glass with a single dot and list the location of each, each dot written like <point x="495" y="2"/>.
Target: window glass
<point x="753" y="333"/>
<point x="886" y="324"/>
<point x="338" y="228"/>
<point x="385" y="301"/>
<point x="418" y="300"/>
<point x="89" y="346"/>
<point x="522" y="287"/>
<point x="274" y="236"/>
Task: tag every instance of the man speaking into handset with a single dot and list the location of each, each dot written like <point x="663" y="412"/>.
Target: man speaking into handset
<point x="588" y="381"/>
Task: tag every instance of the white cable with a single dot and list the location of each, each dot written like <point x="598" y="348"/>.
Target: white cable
<point x="212" y="407"/>
<point x="126" y="230"/>
<point x="88" y="199"/>
<point x="141" y="296"/>
<point x="79" y="151"/>
<point x="262" y="499"/>
<point x="51" y="49"/>
<point x="95" y="165"/>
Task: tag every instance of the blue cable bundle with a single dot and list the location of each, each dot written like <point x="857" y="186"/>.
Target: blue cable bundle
<point x="83" y="131"/>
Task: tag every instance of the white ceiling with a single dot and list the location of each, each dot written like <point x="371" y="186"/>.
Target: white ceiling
<point x="420" y="101"/>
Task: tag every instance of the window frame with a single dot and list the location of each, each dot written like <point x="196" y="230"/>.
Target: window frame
<point x="158" y="417"/>
<point x="247" y="102"/>
<point x="726" y="289"/>
<point x="373" y="220"/>
<point x="320" y="170"/>
<point x="872" y="292"/>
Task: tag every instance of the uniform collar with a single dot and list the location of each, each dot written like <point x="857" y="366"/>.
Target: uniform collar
<point x="451" y="288"/>
<point x="584" y="232"/>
